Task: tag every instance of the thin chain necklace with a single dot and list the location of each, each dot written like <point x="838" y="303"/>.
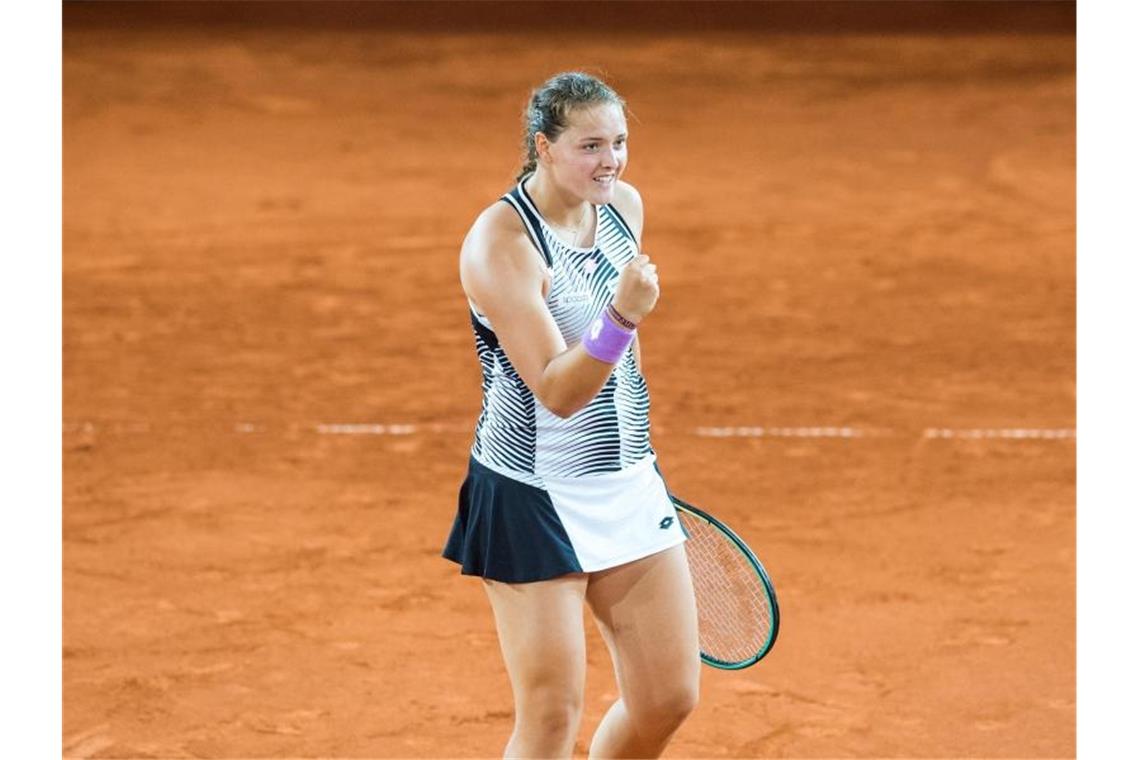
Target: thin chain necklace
<point x="577" y="230"/>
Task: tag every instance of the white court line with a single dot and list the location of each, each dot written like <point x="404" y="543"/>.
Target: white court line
<point x="114" y="427"/>
<point x="975" y="433"/>
<point x="726" y="431"/>
<point x="780" y="432"/>
<point x="366" y="429"/>
<point x="356" y="428"/>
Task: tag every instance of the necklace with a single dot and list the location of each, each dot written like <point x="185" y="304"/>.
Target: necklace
<point x="577" y="229"/>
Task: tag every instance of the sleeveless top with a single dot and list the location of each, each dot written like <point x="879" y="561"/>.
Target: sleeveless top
<point x="516" y="435"/>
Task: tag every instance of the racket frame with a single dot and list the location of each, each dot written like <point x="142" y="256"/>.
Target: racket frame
<point x="769" y="590"/>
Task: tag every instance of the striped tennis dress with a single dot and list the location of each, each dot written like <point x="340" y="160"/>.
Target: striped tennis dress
<point x="545" y="496"/>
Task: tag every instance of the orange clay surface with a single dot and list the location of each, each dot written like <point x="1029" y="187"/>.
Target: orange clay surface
<point x="261" y="233"/>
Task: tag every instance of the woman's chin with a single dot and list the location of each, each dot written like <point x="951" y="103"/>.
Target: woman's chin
<point x="601" y="194"/>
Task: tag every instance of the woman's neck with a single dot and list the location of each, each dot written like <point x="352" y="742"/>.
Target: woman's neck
<point x="556" y="206"/>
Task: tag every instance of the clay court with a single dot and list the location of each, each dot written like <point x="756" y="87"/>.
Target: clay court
<point x="863" y="360"/>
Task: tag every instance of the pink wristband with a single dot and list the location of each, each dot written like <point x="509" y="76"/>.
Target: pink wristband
<point x="605" y="340"/>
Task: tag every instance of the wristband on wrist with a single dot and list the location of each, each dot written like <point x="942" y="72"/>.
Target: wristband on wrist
<point x="617" y="317"/>
<point x="606" y="340"/>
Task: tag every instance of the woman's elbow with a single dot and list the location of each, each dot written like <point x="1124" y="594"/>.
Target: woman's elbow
<point x="560" y="407"/>
<point x="562" y="410"/>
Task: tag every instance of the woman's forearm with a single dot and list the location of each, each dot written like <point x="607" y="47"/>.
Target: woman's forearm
<point x="571" y="381"/>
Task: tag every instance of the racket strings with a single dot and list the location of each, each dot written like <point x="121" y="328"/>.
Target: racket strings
<point x="733" y="607"/>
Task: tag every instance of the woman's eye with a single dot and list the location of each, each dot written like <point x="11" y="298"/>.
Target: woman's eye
<point x="619" y="145"/>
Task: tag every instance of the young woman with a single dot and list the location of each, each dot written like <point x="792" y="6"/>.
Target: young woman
<point x="563" y="503"/>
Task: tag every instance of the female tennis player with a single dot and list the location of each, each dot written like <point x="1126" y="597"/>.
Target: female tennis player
<point x="563" y="503"/>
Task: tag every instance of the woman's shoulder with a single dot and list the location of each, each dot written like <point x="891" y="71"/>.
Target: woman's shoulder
<point x="497" y="235"/>
<point x="628" y="203"/>
<point x="626" y="196"/>
<point x="495" y="224"/>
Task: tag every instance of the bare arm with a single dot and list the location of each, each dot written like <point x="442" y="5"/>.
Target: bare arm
<point x="628" y="203"/>
<point x="504" y="276"/>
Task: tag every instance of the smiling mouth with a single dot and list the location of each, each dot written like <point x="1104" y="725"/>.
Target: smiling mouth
<point x="609" y="178"/>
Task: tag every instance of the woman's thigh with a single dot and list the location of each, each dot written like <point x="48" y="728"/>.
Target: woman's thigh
<point x="647" y="614"/>
<point x="541" y="634"/>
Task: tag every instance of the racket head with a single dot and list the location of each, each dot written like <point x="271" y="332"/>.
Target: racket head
<point x="738" y="614"/>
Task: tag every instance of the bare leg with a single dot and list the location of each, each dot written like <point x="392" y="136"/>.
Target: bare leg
<point x="647" y="614"/>
<point x="544" y="648"/>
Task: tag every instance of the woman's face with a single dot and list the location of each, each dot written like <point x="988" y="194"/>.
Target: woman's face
<point x="590" y="154"/>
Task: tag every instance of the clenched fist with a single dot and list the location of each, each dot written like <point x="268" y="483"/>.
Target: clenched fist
<point x="637" y="289"/>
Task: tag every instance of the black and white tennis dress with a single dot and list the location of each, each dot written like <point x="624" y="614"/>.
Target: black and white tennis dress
<point x="546" y="496"/>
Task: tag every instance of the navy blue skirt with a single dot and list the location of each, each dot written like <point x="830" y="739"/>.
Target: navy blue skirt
<point x="509" y="531"/>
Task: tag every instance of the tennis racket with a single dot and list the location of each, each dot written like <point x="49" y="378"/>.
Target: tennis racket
<point x="736" y="605"/>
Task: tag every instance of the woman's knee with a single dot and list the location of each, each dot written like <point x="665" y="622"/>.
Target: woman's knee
<point x="551" y="711"/>
<point x="665" y="710"/>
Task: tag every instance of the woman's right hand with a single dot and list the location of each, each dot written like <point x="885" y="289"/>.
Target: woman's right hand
<point x="637" y="289"/>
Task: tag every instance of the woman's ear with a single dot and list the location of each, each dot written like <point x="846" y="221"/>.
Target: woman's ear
<point x="542" y="147"/>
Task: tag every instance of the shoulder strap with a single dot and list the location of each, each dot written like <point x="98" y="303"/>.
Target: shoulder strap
<point x="530" y="222"/>
<point x="620" y="222"/>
